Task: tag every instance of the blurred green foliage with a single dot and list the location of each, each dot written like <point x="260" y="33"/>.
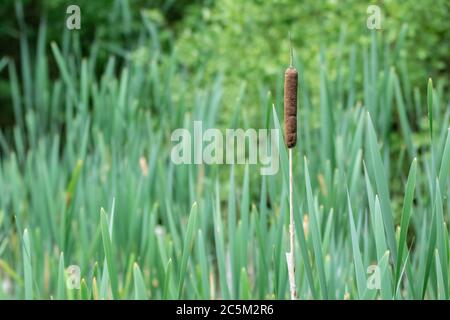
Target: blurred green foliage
<point x="114" y="25"/>
<point x="248" y="40"/>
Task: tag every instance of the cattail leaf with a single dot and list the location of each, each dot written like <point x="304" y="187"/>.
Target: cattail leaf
<point x="441" y="240"/>
<point x="95" y="295"/>
<point x="380" y="237"/>
<point x="27" y="268"/>
<point x="315" y="234"/>
<point x="204" y="270"/>
<point x="61" y="289"/>
<point x="406" y="214"/>
<point x="245" y="207"/>
<point x="220" y="247"/>
<point x="445" y="165"/>
<point x="167" y="281"/>
<point x="357" y="260"/>
<point x="441" y="284"/>
<point x="404" y="122"/>
<point x="61" y="62"/>
<point x="232" y="243"/>
<point x="386" y="286"/>
<point x="245" y="292"/>
<point x="140" y="291"/>
<point x="427" y="255"/>
<point x="84" y="290"/>
<point x="109" y="255"/>
<point x="382" y="187"/>
<point x="188" y="243"/>
<point x="430" y="105"/>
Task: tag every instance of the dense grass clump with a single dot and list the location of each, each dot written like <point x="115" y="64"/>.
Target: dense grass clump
<point x="86" y="179"/>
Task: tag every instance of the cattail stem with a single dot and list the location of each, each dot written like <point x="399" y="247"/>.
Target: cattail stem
<point x="291" y="52"/>
<point x="290" y="257"/>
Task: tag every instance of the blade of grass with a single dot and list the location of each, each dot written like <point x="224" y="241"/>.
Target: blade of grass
<point x="188" y="243"/>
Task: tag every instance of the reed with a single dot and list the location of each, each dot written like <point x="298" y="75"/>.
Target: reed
<point x="290" y="127"/>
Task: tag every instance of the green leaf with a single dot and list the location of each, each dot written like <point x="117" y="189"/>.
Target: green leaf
<point x="430" y="105"/>
<point x="440" y="279"/>
<point x="441" y="240"/>
<point x="315" y="234"/>
<point x="357" y="260"/>
<point x="84" y="291"/>
<point x="188" y="243"/>
<point x="140" y="292"/>
<point x="406" y="215"/>
<point x="382" y="186"/>
<point x="61" y="290"/>
<point x="404" y="122"/>
<point x="429" y="253"/>
<point x="27" y="268"/>
<point x="445" y="165"/>
<point x="386" y="287"/>
<point x="380" y="238"/>
<point x="68" y="80"/>
<point x="220" y="247"/>
<point x="168" y="272"/>
<point x="245" y="292"/>
<point x="107" y="247"/>
<point x="204" y="270"/>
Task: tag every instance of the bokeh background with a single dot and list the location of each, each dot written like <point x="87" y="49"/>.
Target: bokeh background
<point x="246" y="41"/>
<point x="86" y="178"/>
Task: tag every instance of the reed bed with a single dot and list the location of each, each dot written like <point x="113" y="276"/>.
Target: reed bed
<point x="86" y="180"/>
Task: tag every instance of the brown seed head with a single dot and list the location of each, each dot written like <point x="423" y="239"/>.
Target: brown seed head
<point x="290" y="106"/>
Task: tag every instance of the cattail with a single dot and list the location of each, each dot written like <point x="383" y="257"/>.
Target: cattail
<point x="290" y="105"/>
<point x="290" y="132"/>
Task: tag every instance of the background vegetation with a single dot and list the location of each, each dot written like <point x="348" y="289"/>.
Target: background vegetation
<point x="86" y="118"/>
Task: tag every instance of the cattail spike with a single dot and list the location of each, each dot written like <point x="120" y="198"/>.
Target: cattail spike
<point x="290" y="103"/>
